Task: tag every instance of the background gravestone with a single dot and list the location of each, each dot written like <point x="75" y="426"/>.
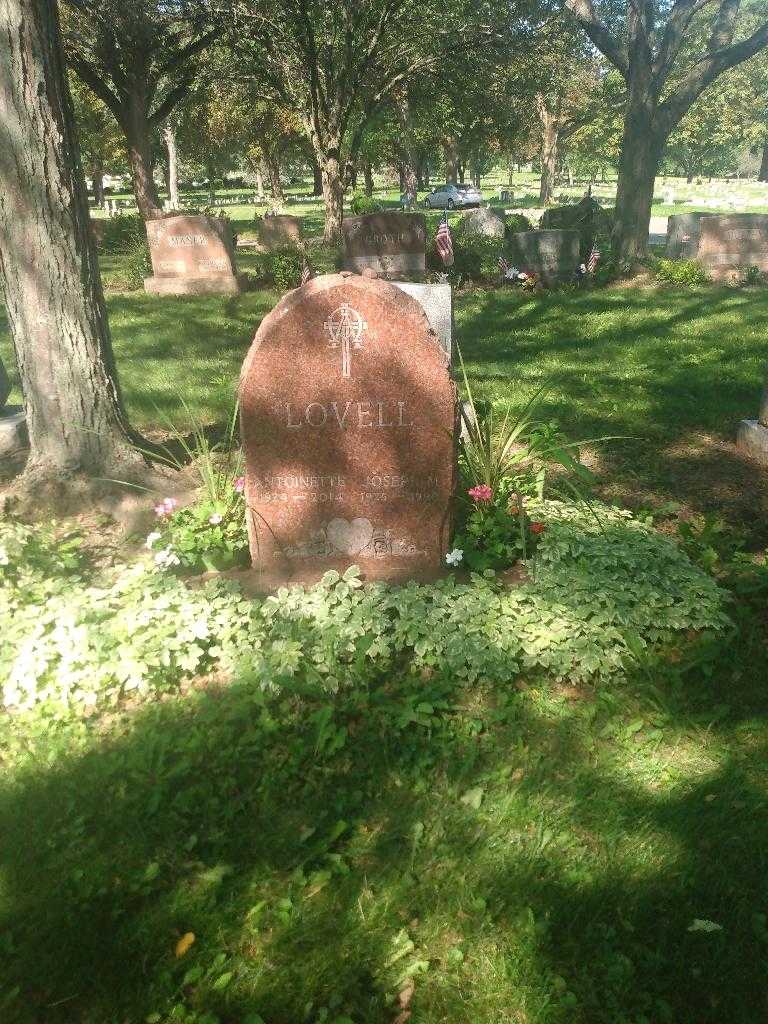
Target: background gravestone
<point x="683" y="235"/>
<point x="483" y="221"/>
<point x="13" y="427"/>
<point x="191" y="255"/>
<point x="752" y="436"/>
<point x="733" y="241"/>
<point x="553" y="256"/>
<point x="392" y="244"/>
<point x="280" y="232"/>
<point x="587" y="217"/>
<point x="348" y="420"/>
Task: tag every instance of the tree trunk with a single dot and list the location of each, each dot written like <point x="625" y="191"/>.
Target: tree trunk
<point x="407" y="146"/>
<point x="57" y="317"/>
<point x="550" y="137"/>
<point x="462" y="172"/>
<point x="763" y="175"/>
<point x="350" y="175"/>
<point x="259" y="173"/>
<point x="137" y="133"/>
<point x="169" y="137"/>
<point x="641" y="151"/>
<point x="451" y="152"/>
<point x="368" y="178"/>
<point x="317" y="175"/>
<point x="97" y="176"/>
<point x="333" y="197"/>
<point x="511" y="173"/>
<point x="273" y="172"/>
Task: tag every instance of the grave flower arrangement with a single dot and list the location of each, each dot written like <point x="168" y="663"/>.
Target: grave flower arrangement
<point x="495" y="530"/>
<point x="209" y="535"/>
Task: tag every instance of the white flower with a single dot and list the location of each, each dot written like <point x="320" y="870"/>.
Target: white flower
<point x="215" y="519"/>
<point x="151" y="538"/>
<point x="454" y="557"/>
<point x="167" y="557"/>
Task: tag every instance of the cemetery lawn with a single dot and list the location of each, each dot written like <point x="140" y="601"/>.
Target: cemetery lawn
<point x="670" y="371"/>
<point x="540" y="853"/>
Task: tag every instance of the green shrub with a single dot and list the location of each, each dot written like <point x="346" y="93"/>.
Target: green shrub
<point x="476" y="258"/>
<point x="518" y="222"/>
<point x="364" y="204"/>
<point x="123" y="232"/>
<point x="598" y="593"/>
<point x="281" y="268"/>
<point x="688" y="273"/>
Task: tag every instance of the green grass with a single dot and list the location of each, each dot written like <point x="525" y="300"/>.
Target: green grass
<point x="534" y="855"/>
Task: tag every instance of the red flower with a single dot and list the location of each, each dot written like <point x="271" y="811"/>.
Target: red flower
<point x="538" y="527"/>
<point x="481" y="493"/>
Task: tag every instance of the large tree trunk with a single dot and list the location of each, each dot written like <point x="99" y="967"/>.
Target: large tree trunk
<point x="137" y="134"/>
<point x="763" y="175"/>
<point x="48" y="266"/>
<point x="451" y="153"/>
<point x="641" y="150"/>
<point x="169" y="137"/>
<point x="97" y="176"/>
<point x="317" y="179"/>
<point x="368" y="178"/>
<point x="333" y="195"/>
<point x="550" y="138"/>
<point x="407" y="145"/>
<point x="272" y="166"/>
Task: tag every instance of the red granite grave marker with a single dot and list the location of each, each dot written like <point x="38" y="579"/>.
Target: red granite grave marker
<point x="348" y="420"/>
<point x="729" y="243"/>
<point x="191" y="255"/>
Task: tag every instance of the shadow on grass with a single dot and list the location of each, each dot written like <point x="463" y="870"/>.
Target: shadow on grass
<point x="307" y="850"/>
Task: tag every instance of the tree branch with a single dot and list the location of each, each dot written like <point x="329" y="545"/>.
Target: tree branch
<point x="584" y="12"/>
<point x="706" y="71"/>
<point x="88" y="75"/>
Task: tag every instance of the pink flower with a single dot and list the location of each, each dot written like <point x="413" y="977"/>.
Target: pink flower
<point x="538" y="527"/>
<point x="166" y="507"/>
<point x="481" y="493"/>
<point x="239" y="485"/>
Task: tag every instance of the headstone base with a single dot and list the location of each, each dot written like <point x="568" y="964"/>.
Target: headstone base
<point x="437" y="302"/>
<point x="192" y="286"/>
<point x="752" y="439"/>
<point x="13" y="431"/>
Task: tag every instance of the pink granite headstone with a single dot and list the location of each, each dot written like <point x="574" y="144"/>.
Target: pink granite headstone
<point x="728" y="243"/>
<point x="191" y="255"/>
<point x="348" y="417"/>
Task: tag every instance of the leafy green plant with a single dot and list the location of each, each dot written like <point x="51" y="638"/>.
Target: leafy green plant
<point x="121" y="232"/>
<point x="206" y="536"/>
<point x="494" y="531"/>
<point x="362" y="203"/>
<point x="281" y="268"/>
<point x="518" y="448"/>
<point x="92" y="638"/>
<point x="687" y="273"/>
<point x="517" y="222"/>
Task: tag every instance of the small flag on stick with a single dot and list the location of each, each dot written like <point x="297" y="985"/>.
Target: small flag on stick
<point x="594" y="259"/>
<point x="444" y="242"/>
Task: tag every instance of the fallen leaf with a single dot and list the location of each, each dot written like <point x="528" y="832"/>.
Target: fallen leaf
<point x="186" y="940"/>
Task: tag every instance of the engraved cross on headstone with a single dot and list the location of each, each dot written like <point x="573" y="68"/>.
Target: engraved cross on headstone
<point x="345" y="327"/>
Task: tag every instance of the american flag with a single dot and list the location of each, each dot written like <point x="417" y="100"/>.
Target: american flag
<point x="306" y="273"/>
<point x="594" y="258"/>
<point x="444" y="243"/>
